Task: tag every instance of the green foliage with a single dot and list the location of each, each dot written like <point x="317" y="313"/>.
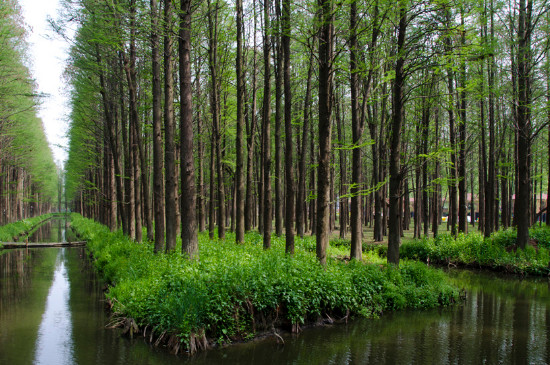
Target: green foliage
<point x="498" y="252"/>
<point x="22" y="137"/>
<point x="235" y="290"/>
<point x="10" y="232"/>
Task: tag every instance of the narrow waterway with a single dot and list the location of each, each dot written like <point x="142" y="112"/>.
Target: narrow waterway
<point x="52" y="312"/>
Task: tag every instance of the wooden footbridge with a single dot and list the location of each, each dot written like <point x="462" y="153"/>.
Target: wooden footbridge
<point x="6" y="245"/>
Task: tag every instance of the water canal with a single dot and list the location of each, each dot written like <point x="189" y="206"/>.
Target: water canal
<point x="52" y="312"/>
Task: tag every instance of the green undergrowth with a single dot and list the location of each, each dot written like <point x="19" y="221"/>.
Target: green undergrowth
<point x="12" y="231"/>
<point x="233" y="292"/>
<point x="499" y="252"/>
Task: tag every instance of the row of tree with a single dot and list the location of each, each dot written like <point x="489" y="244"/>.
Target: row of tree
<point x="28" y="175"/>
<point x="430" y="101"/>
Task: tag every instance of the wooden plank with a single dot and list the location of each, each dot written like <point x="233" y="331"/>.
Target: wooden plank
<point x="43" y="244"/>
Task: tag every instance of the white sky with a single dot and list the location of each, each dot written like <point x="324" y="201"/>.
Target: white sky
<point x="48" y="53"/>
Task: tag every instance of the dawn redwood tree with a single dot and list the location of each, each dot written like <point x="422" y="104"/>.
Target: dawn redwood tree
<point x="239" y="174"/>
<point x="489" y="219"/>
<point x="213" y="62"/>
<point x="325" y="57"/>
<point x="289" y="171"/>
<point x="301" y="211"/>
<point x="453" y="208"/>
<point x="189" y="239"/>
<point x="266" y="133"/>
<point x="357" y="127"/>
<point x="169" y="132"/>
<point x="249" y="209"/>
<point x="462" y="202"/>
<point x="396" y="174"/>
<point x="158" y="160"/>
<point x="523" y="200"/>
<point x="278" y="176"/>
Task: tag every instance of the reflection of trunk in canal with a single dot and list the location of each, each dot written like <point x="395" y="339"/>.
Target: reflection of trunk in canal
<point x="25" y="277"/>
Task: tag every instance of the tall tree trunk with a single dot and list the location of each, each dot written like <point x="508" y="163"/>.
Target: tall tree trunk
<point x="462" y="202"/>
<point x="342" y="196"/>
<point x="110" y="122"/>
<point x="490" y="183"/>
<point x="169" y="133"/>
<point x="301" y="213"/>
<point x="266" y="125"/>
<point x="212" y="199"/>
<point x="125" y="123"/>
<point x="325" y="128"/>
<point x="215" y="107"/>
<point x="396" y="175"/>
<point x="425" y="137"/>
<point x="278" y="55"/>
<point x="289" y="171"/>
<point x="158" y="160"/>
<point x="201" y="197"/>
<point x="357" y="133"/>
<point x="250" y="207"/>
<point x="239" y="178"/>
<point x="189" y="238"/>
<point x="130" y="68"/>
<point x="453" y="206"/>
<point x="524" y="121"/>
<point x="482" y="175"/>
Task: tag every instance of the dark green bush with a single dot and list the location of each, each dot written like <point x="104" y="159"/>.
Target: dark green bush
<point x="541" y="235"/>
<point x="497" y="252"/>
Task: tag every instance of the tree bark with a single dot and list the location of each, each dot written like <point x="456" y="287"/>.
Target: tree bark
<point x="356" y="226"/>
<point x="462" y="202"/>
<point x="490" y="183"/>
<point x="325" y="128"/>
<point x="524" y="122"/>
<point x="453" y="206"/>
<point x="289" y="171"/>
<point x="169" y="133"/>
<point x="158" y="161"/>
<point x="239" y="178"/>
<point x="215" y="108"/>
<point x="396" y="175"/>
<point x="266" y="125"/>
<point x="278" y="55"/>
<point x="250" y="207"/>
<point x="301" y="212"/>
<point x="189" y="238"/>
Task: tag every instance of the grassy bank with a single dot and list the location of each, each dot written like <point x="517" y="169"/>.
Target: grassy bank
<point x="237" y="292"/>
<point x="13" y="231"/>
<point x="499" y="252"/>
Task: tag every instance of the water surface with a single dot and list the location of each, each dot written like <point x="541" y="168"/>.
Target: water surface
<point x="52" y="312"/>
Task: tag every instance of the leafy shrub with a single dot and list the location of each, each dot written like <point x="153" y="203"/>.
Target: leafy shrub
<point x="541" y="235"/>
<point x="380" y="250"/>
<point x="234" y="290"/>
<point x="497" y="252"/>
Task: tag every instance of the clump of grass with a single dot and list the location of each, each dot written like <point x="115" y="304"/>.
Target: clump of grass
<point x="235" y="291"/>
<point x="499" y="252"/>
<point x="12" y="231"/>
